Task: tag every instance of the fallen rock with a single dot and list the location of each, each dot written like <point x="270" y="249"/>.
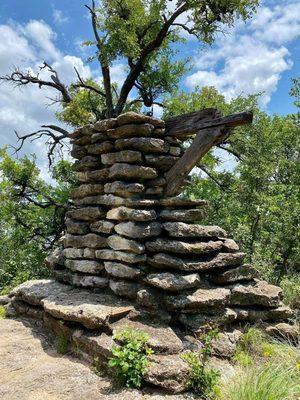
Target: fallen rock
<point x="180" y="229"/>
<point x="122" y="256"/>
<point x="129" y="214"/>
<point x="162" y="260"/>
<point x="119" y="270"/>
<point x="169" y="372"/>
<point x="124" y="156"/>
<point x="173" y="282"/>
<point x="244" y="272"/>
<point x="176" y="246"/>
<point x="201" y="299"/>
<point x="138" y="230"/>
<point x="260" y="294"/>
<point x="146" y="145"/>
<point x="117" y="242"/>
<point x="129" y="171"/>
<point x="283" y="331"/>
<point x="123" y="189"/>
<point x="162" y="339"/>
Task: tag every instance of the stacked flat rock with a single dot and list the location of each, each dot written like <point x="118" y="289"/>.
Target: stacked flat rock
<point x="143" y="254"/>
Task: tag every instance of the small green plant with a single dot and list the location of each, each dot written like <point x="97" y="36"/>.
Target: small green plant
<point x="130" y="358"/>
<point x="2" y="312"/>
<point x="243" y="358"/>
<point x="203" y="380"/>
<point x="62" y="343"/>
<point x="97" y="367"/>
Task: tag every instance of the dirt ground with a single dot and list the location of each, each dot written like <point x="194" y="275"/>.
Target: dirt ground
<point x="31" y="369"/>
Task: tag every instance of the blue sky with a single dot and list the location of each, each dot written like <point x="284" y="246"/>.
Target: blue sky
<point x="260" y="56"/>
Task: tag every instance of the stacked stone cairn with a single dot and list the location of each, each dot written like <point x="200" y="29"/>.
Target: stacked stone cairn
<point x="132" y="257"/>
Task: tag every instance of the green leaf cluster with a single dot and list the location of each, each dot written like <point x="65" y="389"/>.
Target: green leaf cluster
<point x="130" y="358"/>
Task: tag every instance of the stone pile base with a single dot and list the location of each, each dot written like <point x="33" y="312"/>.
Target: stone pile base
<point x="133" y="257"/>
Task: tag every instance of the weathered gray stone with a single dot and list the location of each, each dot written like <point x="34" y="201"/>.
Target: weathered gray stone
<point x="124" y="189"/>
<point x="138" y="229"/>
<point x="124" y="156"/>
<point x="201" y="299"/>
<point x="94" y="344"/>
<point x="78" y="152"/>
<point x="100" y="148"/>
<point x="132" y="117"/>
<point x="149" y="298"/>
<point x="129" y="171"/>
<point x="221" y="260"/>
<point x="161" y="162"/>
<point x="122" y="256"/>
<point x="197" y="323"/>
<point x="87" y="163"/>
<point x="230" y="245"/>
<point x="76" y="228"/>
<point x="180" y="229"/>
<point x="130" y="130"/>
<point x="173" y="282"/>
<point x="86" y="266"/>
<point x="4" y="300"/>
<point x="100" y="175"/>
<point x="124" y="288"/>
<point x="119" y="270"/>
<point x="260" y="294"/>
<point x="176" y="246"/>
<point x="162" y="339"/>
<point x="82" y="141"/>
<point x="146" y="145"/>
<point x="182" y="202"/>
<point x="55" y="259"/>
<point x="79" y="132"/>
<point x="90" y="309"/>
<point x="169" y="372"/>
<point x="129" y="214"/>
<point x="87" y="190"/>
<point x="34" y="291"/>
<point x="104" y="125"/>
<point x="99" y="137"/>
<point x="183" y="215"/>
<point x="102" y="227"/>
<point x="73" y="253"/>
<point x="226" y="343"/>
<point x="86" y="213"/>
<point x="276" y="314"/>
<point x="244" y="272"/>
<point x="90" y="240"/>
<point x="283" y="331"/>
<point x="89" y="253"/>
<point x="117" y="242"/>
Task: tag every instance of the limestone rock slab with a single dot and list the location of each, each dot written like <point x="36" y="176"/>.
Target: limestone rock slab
<point x="75" y="227"/>
<point x="124" y="156"/>
<point x="100" y="148"/>
<point x="87" y="190"/>
<point x="130" y="130"/>
<point x="90" y="240"/>
<point x="129" y="214"/>
<point x="173" y="282"/>
<point x="276" y="314"/>
<point x="123" y="188"/>
<point x="130" y="171"/>
<point x="132" y="117"/>
<point x="138" y="230"/>
<point x="260" y="293"/>
<point x="244" y="272"/>
<point x="180" y="229"/>
<point x="191" y="215"/>
<point x="102" y="226"/>
<point x="177" y="246"/>
<point x="86" y="266"/>
<point x="119" y="270"/>
<point x="145" y="145"/>
<point x="124" y="288"/>
<point x="117" y="242"/>
<point x="86" y="213"/>
<point x="122" y="256"/>
<point x="198" y="322"/>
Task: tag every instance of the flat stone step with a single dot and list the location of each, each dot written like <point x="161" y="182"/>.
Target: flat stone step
<point x="162" y="339"/>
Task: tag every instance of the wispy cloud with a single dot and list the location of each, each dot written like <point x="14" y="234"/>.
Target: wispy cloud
<point x="59" y="17"/>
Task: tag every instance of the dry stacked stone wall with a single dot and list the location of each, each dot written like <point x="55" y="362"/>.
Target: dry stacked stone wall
<point x="123" y="235"/>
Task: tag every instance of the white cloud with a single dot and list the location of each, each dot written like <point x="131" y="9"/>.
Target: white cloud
<point x="250" y="58"/>
<point x="59" y="16"/>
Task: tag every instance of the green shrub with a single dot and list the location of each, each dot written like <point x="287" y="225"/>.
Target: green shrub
<point x="243" y="358"/>
<point x="203" y="380"/>
<point x="62" y="343"/>
<point x="2" y="312"/>
<point x="130" y="358"/>
<point x="270" y="381"/>
<point x="291" y="290"/>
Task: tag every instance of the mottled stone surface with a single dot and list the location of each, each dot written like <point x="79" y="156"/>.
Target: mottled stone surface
<point x="124" y="156"/>
<point x="90" y="240"/>
<point x="260" y="293"/>
<point x="118" y="242"/>
<point x="149" y="145"/>
<point x="125" y="171"/>
<point x="122" y="256"/>
<point x="177" y="246"/>
<point x="129" y="214"/>
<point x="183" y="215"/>
<point x="243" y="272"/>
<point x="199" y="322"/>
<point x="86" y="266"/>
<point x="120" y="270"/>
<point x="138" y="230"/>
<point x="180" y="229"/>
<point x="173" y="282"/>
<point x="124" y="189"/>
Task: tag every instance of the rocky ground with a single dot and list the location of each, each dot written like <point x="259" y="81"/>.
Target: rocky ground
<point x="31" y="369"/>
